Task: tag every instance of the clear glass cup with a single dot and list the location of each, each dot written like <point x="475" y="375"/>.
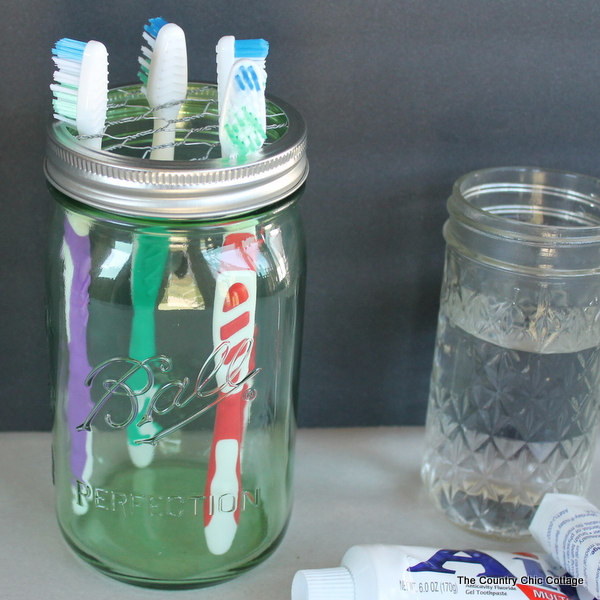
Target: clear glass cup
<point x="514" y="403"/>
<point x="175" y="341"/>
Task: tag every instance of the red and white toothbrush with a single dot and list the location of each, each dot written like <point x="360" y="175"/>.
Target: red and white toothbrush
<point x="234" y="326"/>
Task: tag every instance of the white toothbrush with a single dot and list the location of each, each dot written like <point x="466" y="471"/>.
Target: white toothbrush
<point x="164" y="77"/>
<point x="241" y="80"/>
<point x="242" y="130"/>
<point x="81" y="88"/>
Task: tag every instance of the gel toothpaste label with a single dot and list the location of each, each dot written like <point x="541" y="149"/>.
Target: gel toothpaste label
<point x="472" y="573"/>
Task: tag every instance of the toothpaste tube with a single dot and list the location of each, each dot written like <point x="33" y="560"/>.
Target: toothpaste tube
<point x="380" y="572"/>
<point x="568" y="527"/>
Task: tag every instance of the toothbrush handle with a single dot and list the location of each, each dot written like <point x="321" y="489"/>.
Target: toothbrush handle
<point x="80" y="402"/>
<point x="164" y="139"/>
<point x="233" y="322"/>
<point x="148" y="266"/>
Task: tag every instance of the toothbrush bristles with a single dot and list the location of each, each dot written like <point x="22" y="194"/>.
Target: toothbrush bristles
<point x="247" y="77"/>
<point x="145" y="70"/>
<point x="67" y="57"/>
<point x="245" y="132"/>
<point x="254" y="49"/>
<point x="155" y="26"/>
<point x="69" y="49"/>
<point x="149" y="34"/>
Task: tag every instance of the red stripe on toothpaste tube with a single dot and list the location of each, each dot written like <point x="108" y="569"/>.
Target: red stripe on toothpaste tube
<point x="568" y="528"/>
<point x="381" y="572"/>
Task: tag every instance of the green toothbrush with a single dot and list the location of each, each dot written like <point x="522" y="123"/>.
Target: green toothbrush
<point x="164" y="78"/>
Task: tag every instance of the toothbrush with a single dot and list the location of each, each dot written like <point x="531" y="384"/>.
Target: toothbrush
<point x="234" y="325"/>
<point x="241" y="79"/>
<point x="81" y="88"/>
<point x="77" y="264"/>
<point x="148" y="265"/>
<point x="80" y="99"/>
<point x="164" y="81"/>
<point x="242" y="129"/>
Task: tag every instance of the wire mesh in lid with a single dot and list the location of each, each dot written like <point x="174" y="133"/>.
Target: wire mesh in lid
<point x="198" y="183"/>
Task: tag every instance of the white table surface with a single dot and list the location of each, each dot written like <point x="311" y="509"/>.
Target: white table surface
<point x="353" y="486"/>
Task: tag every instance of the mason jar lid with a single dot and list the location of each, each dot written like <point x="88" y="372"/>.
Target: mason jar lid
<point x="199" y="183"/>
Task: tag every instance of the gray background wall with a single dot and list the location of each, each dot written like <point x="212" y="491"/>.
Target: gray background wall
<point x="401" y="97"/>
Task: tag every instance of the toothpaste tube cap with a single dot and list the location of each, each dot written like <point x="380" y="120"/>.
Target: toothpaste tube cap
<point x="323" y="584"/>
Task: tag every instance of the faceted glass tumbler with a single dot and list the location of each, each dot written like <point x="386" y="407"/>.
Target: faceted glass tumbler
<point x="514" y="403"/>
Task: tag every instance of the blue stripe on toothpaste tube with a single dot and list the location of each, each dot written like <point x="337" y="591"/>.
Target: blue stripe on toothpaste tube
<point x="568" y="528"/>
<point x="380" y="572"/>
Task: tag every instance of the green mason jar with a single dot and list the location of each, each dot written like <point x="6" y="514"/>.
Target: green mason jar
<point x="175" y="314"/>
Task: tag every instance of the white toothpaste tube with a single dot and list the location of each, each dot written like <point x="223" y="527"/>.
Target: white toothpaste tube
<point x="380" y="572"/>
<point x="568" y="528"/>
